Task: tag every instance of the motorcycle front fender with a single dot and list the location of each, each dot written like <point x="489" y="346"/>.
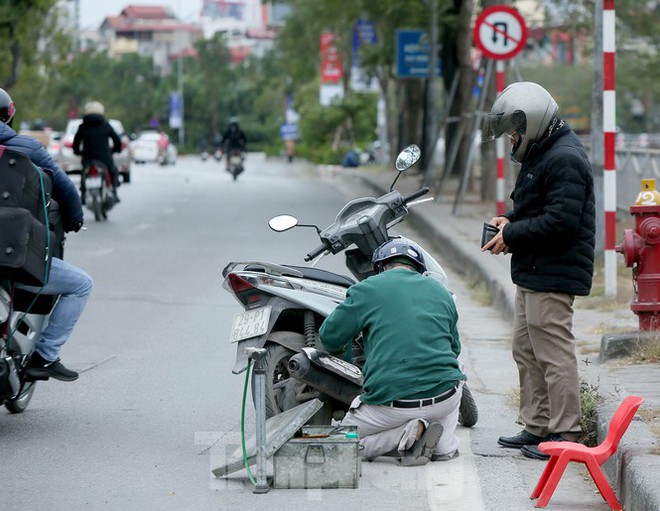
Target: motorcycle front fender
<point x="291" y="340"/>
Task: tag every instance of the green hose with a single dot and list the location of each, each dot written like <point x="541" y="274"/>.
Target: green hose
<point x="245" y="459"/>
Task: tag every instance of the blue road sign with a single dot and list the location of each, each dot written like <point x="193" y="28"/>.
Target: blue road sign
<point x="289" y="131"/>
<point x="412" y="54"/>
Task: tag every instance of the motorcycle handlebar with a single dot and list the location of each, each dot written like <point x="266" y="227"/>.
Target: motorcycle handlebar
<point x="316" y="252"/>
<point x="416" y="195"/>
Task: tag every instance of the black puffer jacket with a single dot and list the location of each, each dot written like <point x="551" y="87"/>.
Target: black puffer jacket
<point x="91" y="140"/>
<point x="553" y="225"/>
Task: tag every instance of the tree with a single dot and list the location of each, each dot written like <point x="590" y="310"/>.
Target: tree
<point x="25" y="25"/>
<point x="638" y="58"/>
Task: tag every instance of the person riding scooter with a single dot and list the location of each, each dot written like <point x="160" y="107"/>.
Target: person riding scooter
<point x="91" y="142"/>
<point x="234" y="140"/>
<point x="72" y="284"/>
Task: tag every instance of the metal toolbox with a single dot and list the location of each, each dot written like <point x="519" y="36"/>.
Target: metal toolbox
<point x="323" y="457"/>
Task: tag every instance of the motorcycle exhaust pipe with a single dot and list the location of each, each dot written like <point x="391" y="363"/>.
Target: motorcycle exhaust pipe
<point x="327" y="382"/>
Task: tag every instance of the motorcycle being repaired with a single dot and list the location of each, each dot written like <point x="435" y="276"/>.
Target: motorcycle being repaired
<point x="285" y="305"/>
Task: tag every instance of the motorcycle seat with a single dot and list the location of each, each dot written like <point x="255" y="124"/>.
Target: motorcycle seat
<point x="323" y="275"/>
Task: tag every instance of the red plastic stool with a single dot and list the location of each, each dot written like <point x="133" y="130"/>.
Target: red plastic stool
<point x="593" y="457"/>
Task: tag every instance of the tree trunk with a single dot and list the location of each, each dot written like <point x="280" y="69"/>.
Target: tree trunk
<point x="464" y="95"/>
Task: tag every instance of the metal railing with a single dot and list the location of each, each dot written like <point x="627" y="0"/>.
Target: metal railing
<point x="633" y="165"/>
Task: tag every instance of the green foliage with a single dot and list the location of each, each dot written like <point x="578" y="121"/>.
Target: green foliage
<point x="571" y="86"/>
<point x="637" y="55"/>
<point x="590" y="400"/>
<point x="53" y="84"/>
<point x="128" y="87"/>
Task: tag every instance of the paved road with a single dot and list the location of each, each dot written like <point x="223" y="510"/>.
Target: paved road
<point x="157" y="406"/>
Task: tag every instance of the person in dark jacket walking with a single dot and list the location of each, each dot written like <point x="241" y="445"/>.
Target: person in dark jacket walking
<point x="72" y="284"/>
<point x="91" y="141"/>
<point x="550" y="233"/>
<point x="412" y="381"/>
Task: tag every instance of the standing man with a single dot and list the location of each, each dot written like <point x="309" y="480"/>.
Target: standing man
<point x="550" y="233"/>
<point x="412" y="382"/>
<point x="72" y="284"/>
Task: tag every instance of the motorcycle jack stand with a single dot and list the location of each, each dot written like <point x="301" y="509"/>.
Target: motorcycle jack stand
<point x="257" y="354"/>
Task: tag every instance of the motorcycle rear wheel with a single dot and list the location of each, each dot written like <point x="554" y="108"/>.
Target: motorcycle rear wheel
<point x="468" y="415"/>
<point x="280" y="387"/>
<point x="21" y="402"/>
<point x="97" y="207"/>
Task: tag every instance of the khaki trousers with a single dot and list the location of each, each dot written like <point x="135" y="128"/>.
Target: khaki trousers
<point x="544" y="350"/>
<point x="383" y="429"/>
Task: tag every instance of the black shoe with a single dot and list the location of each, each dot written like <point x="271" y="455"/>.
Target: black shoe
<point x="520" y="440"/>
<point x="421" y="451"/>
<point x="39" y="368"/>
<point x="533" y="451"/>
<point x="115" y="197"/>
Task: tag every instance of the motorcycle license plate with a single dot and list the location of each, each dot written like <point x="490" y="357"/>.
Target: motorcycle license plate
<point x="93" y="182"/>
<point x="250" y="324"/>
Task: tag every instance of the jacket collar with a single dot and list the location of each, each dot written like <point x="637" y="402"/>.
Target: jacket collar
<point x="541" y="146"/>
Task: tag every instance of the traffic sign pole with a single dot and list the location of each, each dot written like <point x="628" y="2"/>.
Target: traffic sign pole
<point x="500" y="33"/>
<point x="499" y="148"/>
<point x="609" y="167"/>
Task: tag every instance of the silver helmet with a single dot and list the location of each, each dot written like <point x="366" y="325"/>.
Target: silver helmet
<point x="525" y="108"/>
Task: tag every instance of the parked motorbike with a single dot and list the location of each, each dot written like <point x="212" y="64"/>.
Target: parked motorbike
<point x="236" y="157"/>
<point x="97" y="189"/>
<point x="285" y="305"/>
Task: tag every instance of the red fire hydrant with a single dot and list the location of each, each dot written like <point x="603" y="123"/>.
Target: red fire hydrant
<point x="641" y="251"/>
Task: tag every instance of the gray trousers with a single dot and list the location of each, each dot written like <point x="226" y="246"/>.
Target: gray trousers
<point x="544" y="350"/>
<point x="383" y="429"/>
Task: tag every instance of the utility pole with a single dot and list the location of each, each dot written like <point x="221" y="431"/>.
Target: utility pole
<point x="597" y="145"/>
<point x="430" y="117"/>
<point x="180" y="79"/>
<point x="76" y="17"/>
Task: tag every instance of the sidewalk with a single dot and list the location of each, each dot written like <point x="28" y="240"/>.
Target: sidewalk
<point x="634" y="472"/>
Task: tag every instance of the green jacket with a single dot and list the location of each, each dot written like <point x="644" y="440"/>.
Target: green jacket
<point x="411" y="341"/>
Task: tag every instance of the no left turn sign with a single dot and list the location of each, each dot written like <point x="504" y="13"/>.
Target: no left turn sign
<point x="500" y="32"/>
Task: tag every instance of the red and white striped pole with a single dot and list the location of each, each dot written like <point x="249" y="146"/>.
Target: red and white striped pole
<point x="499" y="148"/>
<point x="609" y="125"/>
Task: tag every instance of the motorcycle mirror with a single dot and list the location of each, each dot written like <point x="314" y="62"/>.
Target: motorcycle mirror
<point x="282" y="223"/>
<point x="408" y="157"/>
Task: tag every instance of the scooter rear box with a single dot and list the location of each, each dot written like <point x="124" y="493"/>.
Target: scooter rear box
<point x="23" y="185"/>
<point x="323" y="457"/>
<point x="23" y="244"/>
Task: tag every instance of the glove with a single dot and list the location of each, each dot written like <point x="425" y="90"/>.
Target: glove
<point x="73" y="227"/>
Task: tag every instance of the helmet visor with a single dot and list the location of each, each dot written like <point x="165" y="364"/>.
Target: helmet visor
<point x="496" y="125"/>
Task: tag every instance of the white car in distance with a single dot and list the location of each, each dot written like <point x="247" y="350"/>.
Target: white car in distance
<point x="145" y="149"/>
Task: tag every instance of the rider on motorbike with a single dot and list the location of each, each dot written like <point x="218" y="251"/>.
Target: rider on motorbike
<point x="412" y="381"/>
<point x="72" y="284"/>
<point x="233" y="139"/>
<point x="93" y="133"/>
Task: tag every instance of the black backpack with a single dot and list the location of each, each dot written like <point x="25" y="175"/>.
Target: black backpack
<point x="26" y="240"/>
